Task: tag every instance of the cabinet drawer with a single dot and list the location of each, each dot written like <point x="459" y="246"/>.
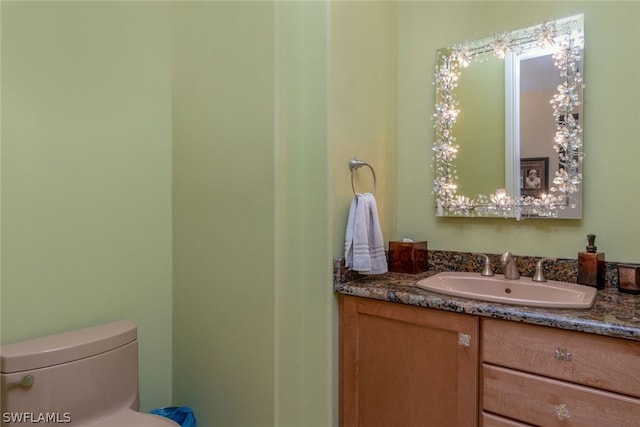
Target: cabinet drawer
<point x="490" y="420"/>
<point x="597" y="361"/>
<point x="546" y="402"/>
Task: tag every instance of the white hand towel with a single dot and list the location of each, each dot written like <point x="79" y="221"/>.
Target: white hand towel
<point x="348" y="241"/>
<point x="361" y="230"/>
<point x="364" y="245"/>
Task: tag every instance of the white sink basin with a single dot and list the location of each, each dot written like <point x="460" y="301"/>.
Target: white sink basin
<point x="523" y="291"/>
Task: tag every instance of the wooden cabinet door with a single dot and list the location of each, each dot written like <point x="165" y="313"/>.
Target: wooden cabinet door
<point x="406" y="366"/>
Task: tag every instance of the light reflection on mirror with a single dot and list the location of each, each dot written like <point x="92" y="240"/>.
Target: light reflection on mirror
<point x="495" y="112"/>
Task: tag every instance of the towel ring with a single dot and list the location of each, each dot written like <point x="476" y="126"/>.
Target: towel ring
<point x="355" y="164"/>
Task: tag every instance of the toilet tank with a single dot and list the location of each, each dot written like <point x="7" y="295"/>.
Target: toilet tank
<point x="77" y="376"/>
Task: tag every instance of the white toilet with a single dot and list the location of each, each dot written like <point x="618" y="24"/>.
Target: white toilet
<point x="87" y="378"/>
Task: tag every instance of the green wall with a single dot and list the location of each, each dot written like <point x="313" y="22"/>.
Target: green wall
<point x="223" y="175"/>
<point x="305" y="369"/>
<point x="265" y="122"/>
<point x="86" y="174"/>
<point x="185" y="165"/>
<point x="611" y="135"/>
<point x="363" y="85"/>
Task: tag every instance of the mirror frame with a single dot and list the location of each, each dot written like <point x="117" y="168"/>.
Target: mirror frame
<point x="566" y="37"/>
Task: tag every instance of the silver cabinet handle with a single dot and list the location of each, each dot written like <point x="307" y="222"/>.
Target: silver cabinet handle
<point x="25" y="382"/>
<point x="562" y="354"/>
<point x="562" y="412"/>
<point x="464" y="340"/>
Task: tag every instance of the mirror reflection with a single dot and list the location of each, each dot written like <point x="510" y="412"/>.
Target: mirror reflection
<point x="508" y="124"/>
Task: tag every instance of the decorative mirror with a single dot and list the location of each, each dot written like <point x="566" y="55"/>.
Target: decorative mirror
<point x="508" y="124"/>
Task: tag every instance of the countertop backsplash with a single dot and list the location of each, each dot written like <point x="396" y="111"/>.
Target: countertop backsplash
<point x="564" y="269"/>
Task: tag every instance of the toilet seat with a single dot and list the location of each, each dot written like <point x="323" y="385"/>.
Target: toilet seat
<point x="130" y="418"/>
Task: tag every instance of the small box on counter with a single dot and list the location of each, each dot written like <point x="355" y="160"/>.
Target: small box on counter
<point x="408" y="257"/>
<point x="629" y="278"/>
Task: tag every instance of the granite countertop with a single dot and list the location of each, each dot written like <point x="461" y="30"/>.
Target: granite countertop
<point x="613" y="314"/>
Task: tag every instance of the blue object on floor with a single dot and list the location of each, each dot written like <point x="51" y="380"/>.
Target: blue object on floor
<point x="180" y="414"/>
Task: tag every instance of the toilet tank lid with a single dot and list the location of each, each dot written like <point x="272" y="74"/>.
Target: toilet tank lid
<point x="66" y="347"/>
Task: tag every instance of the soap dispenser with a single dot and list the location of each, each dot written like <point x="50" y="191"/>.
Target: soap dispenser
<point x="591" y="268"/>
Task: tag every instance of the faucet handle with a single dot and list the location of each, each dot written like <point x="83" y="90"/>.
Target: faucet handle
<point x="506" y="257"/>
<point x="539" y="274"/>
<point x="486" y="271"/>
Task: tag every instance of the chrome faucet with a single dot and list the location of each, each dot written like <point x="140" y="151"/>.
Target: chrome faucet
<point x="510" y="267"/>
<point x="538" y="276"/>
<point x="486" y="271"/>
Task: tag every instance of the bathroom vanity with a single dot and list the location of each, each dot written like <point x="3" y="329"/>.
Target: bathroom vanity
<point x="409" y="357"/>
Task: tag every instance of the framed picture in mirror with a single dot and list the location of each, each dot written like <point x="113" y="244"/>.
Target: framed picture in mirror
<point x="534" y="176"/>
